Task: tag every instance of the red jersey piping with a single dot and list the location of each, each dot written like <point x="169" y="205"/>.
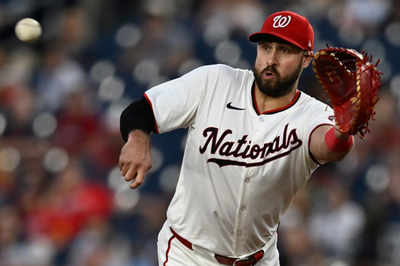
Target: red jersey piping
<point x="296" y="97"/>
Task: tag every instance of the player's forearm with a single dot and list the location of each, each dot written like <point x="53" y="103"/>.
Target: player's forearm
<point x="329" y="145"/>
<point x="337" y="145"/>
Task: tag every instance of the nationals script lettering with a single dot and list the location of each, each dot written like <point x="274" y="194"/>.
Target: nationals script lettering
<point x="242" y="148"/>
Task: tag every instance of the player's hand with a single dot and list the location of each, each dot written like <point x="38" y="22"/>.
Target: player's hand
<point x="135" y="158"/>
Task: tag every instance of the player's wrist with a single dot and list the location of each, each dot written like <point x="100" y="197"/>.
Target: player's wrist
<point x="337" y="141"/>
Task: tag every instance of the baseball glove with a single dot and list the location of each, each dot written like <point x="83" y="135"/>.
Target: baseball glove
<point x="352" y="83"/>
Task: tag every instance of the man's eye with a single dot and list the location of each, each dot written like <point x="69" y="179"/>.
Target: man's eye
<point x="285" y="50"/>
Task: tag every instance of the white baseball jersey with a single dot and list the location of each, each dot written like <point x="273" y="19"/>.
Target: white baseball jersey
<point x="241" y="169"/>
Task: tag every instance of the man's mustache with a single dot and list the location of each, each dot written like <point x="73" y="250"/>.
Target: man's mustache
<point x="271" y="69"/>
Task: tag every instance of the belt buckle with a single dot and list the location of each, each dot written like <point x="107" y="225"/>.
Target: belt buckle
<point x="239" y="261"/>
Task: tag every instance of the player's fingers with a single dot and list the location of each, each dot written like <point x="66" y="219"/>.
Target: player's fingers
<point x="124" y="168"/>
<point x="124" y="159"/>
<point x="121" y="165"/>
<point x="138" y="180"/>
<point x="130" y="174"/>
<point x="124" y="165"/>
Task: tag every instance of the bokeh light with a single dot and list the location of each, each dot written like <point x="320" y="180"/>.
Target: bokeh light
<point x="44" y="125"/>
<point x="111" y="89"/>
<point x="102" y="70"/>
<point x="125" y="199"/>
<point x="146" y="70"/>
<point x="10" y="159"/>
<point x="55" y="160"/>
<point x="128" y="36"/>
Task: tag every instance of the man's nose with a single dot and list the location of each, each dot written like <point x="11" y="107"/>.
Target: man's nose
<point x="272" y="59"/>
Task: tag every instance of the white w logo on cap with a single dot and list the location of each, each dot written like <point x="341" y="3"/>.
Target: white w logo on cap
<point x="281" y="21"/>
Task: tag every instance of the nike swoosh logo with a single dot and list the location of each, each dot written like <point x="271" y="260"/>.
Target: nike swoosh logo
<point x="229" y="106"/>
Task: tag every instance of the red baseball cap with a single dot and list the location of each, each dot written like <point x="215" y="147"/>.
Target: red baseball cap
<point x="288" y="26"/>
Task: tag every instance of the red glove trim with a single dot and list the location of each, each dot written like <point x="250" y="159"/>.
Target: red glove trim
<point x="335" y="144"/>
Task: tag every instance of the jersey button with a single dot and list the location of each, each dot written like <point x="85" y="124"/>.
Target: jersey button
<point x="247" y="180"/>
<point x="239" y="233"/>
<point x="258" y="131"/>
<point x="243" y="208"/>
<point x="261" y="119"/>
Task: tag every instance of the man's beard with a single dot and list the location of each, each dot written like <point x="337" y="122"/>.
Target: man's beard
<point x="281" y="87"/>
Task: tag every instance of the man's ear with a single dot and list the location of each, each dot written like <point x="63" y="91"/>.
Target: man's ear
<point x="308" y="56"/>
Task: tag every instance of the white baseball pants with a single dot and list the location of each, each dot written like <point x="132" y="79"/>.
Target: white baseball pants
<point x="172" y="252"/>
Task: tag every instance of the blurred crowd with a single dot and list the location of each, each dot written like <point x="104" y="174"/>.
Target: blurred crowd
<point x="63" y="201"/>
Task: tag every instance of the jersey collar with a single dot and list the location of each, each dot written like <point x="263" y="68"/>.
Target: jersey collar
<point x="274" y="111"/>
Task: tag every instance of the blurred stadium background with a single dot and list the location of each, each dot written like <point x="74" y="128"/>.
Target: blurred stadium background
<point x="62" y="198"/>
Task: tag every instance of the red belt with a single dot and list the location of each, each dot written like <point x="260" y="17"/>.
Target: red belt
<point x="247" y="261"/>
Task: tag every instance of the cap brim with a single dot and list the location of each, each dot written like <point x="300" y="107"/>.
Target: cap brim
<point x="255" y="37"/>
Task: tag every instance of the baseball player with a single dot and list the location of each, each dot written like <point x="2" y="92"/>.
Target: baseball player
<point x="254" y="139"/>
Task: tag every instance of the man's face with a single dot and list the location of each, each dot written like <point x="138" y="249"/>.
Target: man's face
<point x="278" y="66"/>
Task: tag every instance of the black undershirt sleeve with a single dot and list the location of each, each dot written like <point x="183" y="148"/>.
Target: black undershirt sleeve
<point x="138" y="115"/>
